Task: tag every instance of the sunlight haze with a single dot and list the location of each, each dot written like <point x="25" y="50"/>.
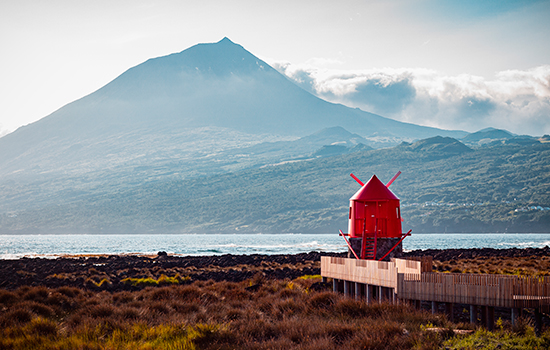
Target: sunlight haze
<point x="454" y="65"/>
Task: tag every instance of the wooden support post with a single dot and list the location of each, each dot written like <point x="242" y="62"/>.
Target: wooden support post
<point x="418" y="304"/>
<point x="490" y="318"/>
<point x="357" y="291"/>
<point x="516" y="313"/>
<point x="434" y="307"/>
<point x="379" y="294"/>
<point x="449" y="308"/>
<point x="368" y="293"/>
<point x="346" y="288"/>
<point x="393" y="296"/>
<point x="335" y="285"/>
<point x="484" y="315"/>
<point x="324" y="280"/>
<point x="538" y="321"/>
<point x="473" y="314"/>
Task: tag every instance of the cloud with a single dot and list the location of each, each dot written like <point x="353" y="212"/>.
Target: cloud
<point x="515" y="100"/>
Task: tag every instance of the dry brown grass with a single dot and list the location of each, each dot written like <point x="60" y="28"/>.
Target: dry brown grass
<point x="525" y="266"/>
<point x="209" y="315"/>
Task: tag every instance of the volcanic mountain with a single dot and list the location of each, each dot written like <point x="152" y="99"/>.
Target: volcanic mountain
<point x="210" y="109"/>
<point x="207" y="98"/>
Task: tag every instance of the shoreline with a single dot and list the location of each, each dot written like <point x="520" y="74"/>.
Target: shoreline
<point x="112" y="272"/>
<point x="439" y="254"/>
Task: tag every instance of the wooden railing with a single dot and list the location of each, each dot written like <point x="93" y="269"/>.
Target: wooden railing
<point x="409" y="281"/>
<point x="379" y="273"/>
<point x="476" y="289"/>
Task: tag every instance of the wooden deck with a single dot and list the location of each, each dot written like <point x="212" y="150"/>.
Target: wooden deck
<point x="410" y="282"/>
<point x="476" y="289"/>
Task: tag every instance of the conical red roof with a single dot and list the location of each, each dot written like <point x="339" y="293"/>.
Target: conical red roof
<point x="373" y="190"/>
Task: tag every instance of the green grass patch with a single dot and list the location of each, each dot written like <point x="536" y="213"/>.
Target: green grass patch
<point x="163" y="280"/>
<point x="310" y="277"/>
<point x="501" y="339"/>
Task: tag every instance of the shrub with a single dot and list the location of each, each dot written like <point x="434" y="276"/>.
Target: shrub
<point x="16" y="317"/>
<point x="140" y="282"/>
<point x="38" y="309"/>
<point x="101" y="311"/>
<point x="42" y="326"/>
<point x="38" y="294"/>
<point x="123" y="297"/>
<point x="149" y="281"/>
<point x="7" y="298"/>
<point x="70" y="292"/>
<point x="322" y="300"/>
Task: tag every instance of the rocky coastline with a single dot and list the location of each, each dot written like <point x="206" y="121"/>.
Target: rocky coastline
<point x="110" y="272"/>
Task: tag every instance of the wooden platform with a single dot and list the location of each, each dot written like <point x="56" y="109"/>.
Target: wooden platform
<point x="410" y="281"/>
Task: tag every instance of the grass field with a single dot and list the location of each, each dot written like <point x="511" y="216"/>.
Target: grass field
<point x="166" y="309"/>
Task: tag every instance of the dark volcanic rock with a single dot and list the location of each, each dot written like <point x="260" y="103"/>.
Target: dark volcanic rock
<point x="450" y="254"/>
<point x="89" y="272"/>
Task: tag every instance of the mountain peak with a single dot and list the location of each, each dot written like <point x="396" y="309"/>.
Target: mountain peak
<point x="225" y="40"/>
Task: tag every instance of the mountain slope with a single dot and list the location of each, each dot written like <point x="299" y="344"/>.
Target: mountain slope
<point x="503" y="188"/>
<point x="157" y="104"/>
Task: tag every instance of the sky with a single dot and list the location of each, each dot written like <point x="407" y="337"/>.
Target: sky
<point x="453" y="64"/>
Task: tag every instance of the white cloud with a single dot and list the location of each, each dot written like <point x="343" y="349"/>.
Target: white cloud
<point x="516" y="100"/>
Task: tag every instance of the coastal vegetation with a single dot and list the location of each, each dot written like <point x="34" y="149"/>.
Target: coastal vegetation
<point x="253" y="314"/>
<point x="445" y="187"/>
<point x="236" y="302"/>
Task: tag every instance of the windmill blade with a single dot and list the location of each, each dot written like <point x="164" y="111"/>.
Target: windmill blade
<point x="393" y="178"/>
<point x="349" y="245"/>
<point x="357" y="179"/>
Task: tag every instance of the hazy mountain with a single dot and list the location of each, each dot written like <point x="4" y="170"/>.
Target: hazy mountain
<point x="152" y="149"/>
<point x="207" y="98"/>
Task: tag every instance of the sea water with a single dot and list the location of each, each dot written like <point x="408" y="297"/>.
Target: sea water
<point x="51" y="246"/>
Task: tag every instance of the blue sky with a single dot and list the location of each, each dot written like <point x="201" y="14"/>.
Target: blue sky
<point x="452" y="64"/>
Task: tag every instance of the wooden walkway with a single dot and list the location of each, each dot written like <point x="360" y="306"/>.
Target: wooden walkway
<point x="413" y="280"/>
<point x="476" y="289"/>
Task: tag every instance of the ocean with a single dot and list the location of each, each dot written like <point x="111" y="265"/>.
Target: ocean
<point x="51" y="246"/>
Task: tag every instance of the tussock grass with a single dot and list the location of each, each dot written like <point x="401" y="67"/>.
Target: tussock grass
<point x="521" y="266"/>
<point x="275" y="314"/>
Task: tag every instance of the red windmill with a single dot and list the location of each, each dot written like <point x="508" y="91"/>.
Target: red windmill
<point x="374" y="221"/>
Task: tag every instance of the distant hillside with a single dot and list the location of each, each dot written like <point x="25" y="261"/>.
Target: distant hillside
<point x="504" y="188"/>
<point x="438" y="146"/>
<point x="489" y="134"/>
